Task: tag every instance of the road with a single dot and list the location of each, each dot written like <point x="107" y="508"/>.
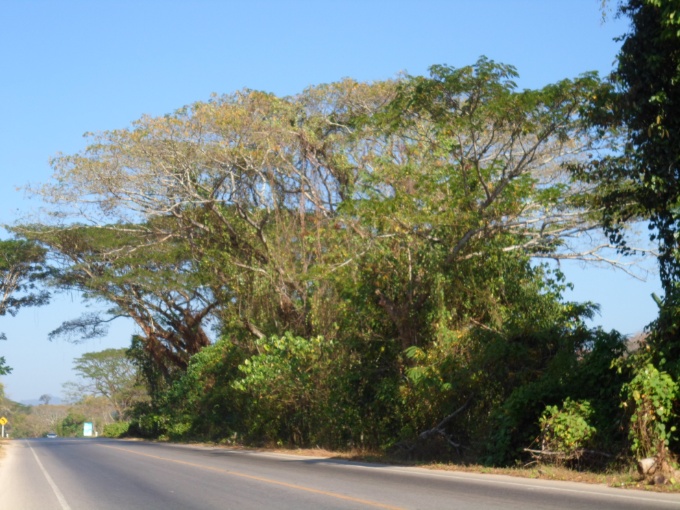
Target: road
<point x="102" y="474"/>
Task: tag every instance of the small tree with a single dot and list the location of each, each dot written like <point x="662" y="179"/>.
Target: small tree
<point x="565" y="430"/>
<point x="109" y="374"/>
<point x="650" y="397"/>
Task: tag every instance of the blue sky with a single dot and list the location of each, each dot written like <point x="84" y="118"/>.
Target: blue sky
<point x="69" y="67"/>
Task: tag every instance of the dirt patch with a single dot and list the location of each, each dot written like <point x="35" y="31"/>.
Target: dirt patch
<point x="3" y="447"/>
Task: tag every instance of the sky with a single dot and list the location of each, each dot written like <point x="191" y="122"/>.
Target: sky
<point x="70" y="67"/>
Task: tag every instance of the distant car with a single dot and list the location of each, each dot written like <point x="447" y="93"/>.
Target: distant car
<point x="51" y="435"/>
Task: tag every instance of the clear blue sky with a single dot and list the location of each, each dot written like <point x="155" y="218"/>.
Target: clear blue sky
<point x="74" y="66"/>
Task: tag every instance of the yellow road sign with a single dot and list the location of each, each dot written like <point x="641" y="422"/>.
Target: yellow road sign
<point x="3" y="420"/>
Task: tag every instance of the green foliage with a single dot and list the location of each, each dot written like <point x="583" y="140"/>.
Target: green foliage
<point x="22" y="270"/>
<point x="112" y="375"/>
<point x="580" y="371"/>
<point x="152" y="373"/>
<point x="288" y="381"/>
<point x="202" y="401"/>
<point x="650" y="102"/>
<point x="639" y="180"/>
<point x="116" y="429"/>
<point x="368" y="254"/>
<point x="650" y="397"/>
<point x="72" y="425"/>
<point x="4" y="369"/>
<point x="566" y="429"/>
<point x="154" y="286"/>
<point x="147" y="420"/>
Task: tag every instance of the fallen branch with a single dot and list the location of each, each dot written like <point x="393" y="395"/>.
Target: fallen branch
<point x="572" y="455"/>
<point x="439" y="429"/>
<point x="409" y="447"/>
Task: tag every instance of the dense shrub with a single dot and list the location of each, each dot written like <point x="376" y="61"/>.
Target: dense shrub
<point x="565" y="430"/>
<point x="650" y="396"/>
<point x="116" y="429"/>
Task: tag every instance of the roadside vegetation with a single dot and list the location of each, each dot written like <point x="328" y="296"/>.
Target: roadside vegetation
<point x="372" y="266"/>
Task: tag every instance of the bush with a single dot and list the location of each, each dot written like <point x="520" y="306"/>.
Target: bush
<point x="72" y="425"/>
<point x="286" y="385"/>
<point x="650" y="396"/>
<point x="565" y="431"/>
<point x="148" y="422"/>
<point x="116" y="429"/>
<point x="202" y="402"/>
<point x="581" y="373"/>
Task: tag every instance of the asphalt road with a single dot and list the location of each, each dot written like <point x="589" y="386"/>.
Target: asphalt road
<point x="102" y="474"/>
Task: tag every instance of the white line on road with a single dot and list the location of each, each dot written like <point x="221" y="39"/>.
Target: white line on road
<point x="57" y="492"/>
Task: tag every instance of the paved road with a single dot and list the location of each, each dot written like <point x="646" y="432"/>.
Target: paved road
<point x="102" y="474"/>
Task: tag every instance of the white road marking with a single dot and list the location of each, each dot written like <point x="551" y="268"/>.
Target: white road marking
<point x="57" y="492"/>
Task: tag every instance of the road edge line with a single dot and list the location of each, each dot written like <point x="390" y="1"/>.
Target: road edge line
<point x="60" y="497"/>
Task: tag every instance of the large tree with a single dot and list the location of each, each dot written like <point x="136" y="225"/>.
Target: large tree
<point x="146" y="279"/>
<point x="109" y="374"/>
<point x="648" y="101"/>
<point x="392" y="222"/>
<point x="641" y="179"/>
<point x="462" y="174"/>
<point x="648" y="104"/>
<point x="278" y="196"/>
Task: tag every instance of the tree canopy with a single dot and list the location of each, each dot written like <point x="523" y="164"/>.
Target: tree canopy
<point x="110" y="374"/>
<point x="641" y="180"/>
<point x="22" y="268"/>
<point x="358" y="264"/>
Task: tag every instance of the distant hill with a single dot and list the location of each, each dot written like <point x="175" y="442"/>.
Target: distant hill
<point x="37" y="402"/>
